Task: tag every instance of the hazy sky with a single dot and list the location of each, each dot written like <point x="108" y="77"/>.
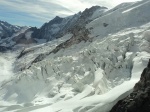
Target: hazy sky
<point x="36" y="12"/>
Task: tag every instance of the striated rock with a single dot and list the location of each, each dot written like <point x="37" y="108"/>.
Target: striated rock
<point x="139" y="99"/>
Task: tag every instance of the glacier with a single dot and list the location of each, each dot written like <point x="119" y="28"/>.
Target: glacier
<point x="89" y="76"/>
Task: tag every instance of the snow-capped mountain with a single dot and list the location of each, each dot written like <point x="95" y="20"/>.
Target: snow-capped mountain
<point x="54" y="29"/>
<point x="57" y="27"/>
<point x="7" y="30"/>
<point x="11" y="35"/>
<point x="93" y="60"/>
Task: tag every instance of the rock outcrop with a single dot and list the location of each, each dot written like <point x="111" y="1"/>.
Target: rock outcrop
<point x="139" y="99"/>
<point x="25" y="37"/>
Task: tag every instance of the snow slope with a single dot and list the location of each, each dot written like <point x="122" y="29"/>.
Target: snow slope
<point x="90" y="76"/>
<point x="6" y="66"/>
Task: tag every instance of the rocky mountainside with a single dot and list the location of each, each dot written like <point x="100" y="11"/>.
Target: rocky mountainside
<point x="19" y="39"/>
<point x="139" y="99"/>
<point x="11" y="35"/>
<point x="7" y="30"/>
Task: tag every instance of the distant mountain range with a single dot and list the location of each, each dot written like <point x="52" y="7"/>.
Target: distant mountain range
<point x="13" y="35"/>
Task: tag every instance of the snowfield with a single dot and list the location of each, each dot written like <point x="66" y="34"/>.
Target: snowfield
<point x="86" y="77"/>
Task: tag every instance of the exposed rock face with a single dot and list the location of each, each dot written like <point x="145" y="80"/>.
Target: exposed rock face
<point x="48" y="30"/>
<point x="139" y="99"/>
<point x="11" y="35"/>
<point x="7" y="30"/>
<point x="25" y="37"/>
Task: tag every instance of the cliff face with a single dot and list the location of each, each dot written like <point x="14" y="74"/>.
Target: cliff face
<point x="139" y="99"/>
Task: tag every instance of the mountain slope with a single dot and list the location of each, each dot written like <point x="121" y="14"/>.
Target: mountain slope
<point x="134" y="15"/>
<point x="57" y="27"/>
<point x="54" y="29"/>
<point x="7" y="30"/>
<point x="11" y="35"/>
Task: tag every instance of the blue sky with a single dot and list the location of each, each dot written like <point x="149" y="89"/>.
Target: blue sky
<point x="37" y="12"/>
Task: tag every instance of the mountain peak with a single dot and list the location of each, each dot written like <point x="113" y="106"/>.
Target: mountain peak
<point x="93" y="8"/>
<point x="7" y="30"/>
<point x="56" y="20"/>
<point x="57" y="17"/>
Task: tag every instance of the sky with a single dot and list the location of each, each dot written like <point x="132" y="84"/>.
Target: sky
<point x="37" y="12"/>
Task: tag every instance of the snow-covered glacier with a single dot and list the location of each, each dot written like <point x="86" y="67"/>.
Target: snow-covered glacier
<point x="88" y="76"/>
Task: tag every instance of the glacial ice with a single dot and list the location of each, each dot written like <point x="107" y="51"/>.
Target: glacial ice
<point x="86" y="77"/>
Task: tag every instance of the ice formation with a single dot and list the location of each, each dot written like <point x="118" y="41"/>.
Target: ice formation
<point x="89" y="76"/>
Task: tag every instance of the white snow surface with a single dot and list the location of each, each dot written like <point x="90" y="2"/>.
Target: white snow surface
<point x="85" y="77"/>
<point x="6" y="66"/>
<point x="28" y="35"/>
